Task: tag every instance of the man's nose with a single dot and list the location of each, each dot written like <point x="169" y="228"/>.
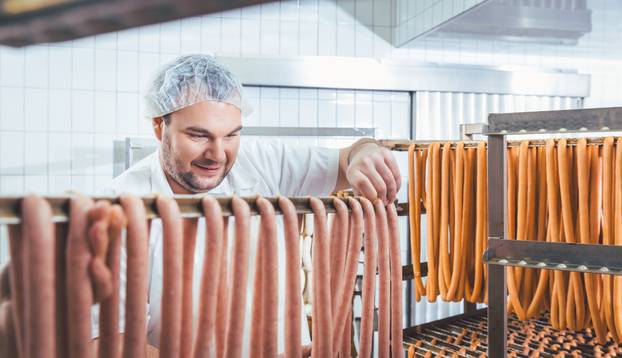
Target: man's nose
<point x="216" y="151"/>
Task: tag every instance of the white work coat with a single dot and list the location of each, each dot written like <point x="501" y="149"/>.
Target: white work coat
<point x="261" y="168"/>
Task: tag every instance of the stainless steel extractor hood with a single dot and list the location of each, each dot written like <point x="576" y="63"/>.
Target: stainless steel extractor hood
<point x="541" y="21"/>
<point x="25" y="22"/>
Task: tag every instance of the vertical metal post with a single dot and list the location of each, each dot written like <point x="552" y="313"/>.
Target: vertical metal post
<point x="497" y="207"/>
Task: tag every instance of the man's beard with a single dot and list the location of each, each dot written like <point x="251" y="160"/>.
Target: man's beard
<point x="188" y="180"/>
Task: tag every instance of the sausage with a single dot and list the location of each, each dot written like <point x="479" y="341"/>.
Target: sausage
<point x="452" y="291"/>
<point x="17" y="280"/>
<point x="444" y="272"/>
<point x="542" y="235"/>
<point x="432" y="207"/>
<point x="189" y="244"/>
<point x="396" y="282"/>
<point x="608" y="234"/>
<point x="617" y="280"/>
<point x="109" y="339"/>
<point x="257" y="328"/>
<point x="239" y="278"/>
<point x="40" y="310"/>
<point x="559" y="286"/>
<point x="528" y="234"/>
<point x="369" y="280"/>
<point x="338" y="245"/>
<point x="223" y="292"/>
<point x="172" y="249"/>
<point x="467" y="225"/>
<point x="415" y="171"/>
<point x="522" y="202"/>
<point x="8" y="339"/>
<point x="481" y="205"/>
<point x="574" y="312"/>
<point x="210" y="277"/>
<point x="60" y="235"/>
<point x="137" y="241"/>
<point x="293" y="299"/>
<point x="344" y="294"/>
<point x="346" y="342"/>
<point x="384" y="280"/>
<point x="322" y="310"/>
<point x="101" y="278"/>
<point x="79" y="290"/>
<point x="584" y="221"/>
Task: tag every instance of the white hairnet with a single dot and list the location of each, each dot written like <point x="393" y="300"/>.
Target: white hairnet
<point x="192" y="79"/>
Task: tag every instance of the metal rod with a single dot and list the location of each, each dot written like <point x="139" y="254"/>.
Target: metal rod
<point x="189" y="206"/>
<point x="403" y="145"/>
<point x="592" y="258"/>
<point x="497" y="210"/>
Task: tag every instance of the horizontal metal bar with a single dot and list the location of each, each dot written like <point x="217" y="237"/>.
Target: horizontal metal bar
<point x="403" y="145"/>
<point x="574" y="120"/>
<point x="411" y="332"/>
<point x="189" y="206"/>
<point x="309" y="131"/>
<point x="371" y="74"/>
<point x="601" y="259"/>
<point x="408" y="273"/>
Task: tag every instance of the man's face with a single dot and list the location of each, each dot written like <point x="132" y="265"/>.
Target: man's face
<point x="199" y="145"/>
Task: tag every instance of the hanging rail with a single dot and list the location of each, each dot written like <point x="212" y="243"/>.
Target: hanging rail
<point x="189" y="206"/>
<point x="403" y="145"/>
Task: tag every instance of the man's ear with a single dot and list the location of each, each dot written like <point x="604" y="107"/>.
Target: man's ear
<point x="158" y="127"/>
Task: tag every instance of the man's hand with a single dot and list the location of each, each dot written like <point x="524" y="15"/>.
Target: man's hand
<point x="369" y="169"/>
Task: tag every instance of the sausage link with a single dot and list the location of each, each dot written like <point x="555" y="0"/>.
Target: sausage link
<point x="293" y="298"/>
<point x="8" y="338"/>
<point x="322" y="310"/>
<point x="40" y="287"/>
<point x="98" y="242"/>
<point x="17" y="281"/>
<point x="452" y="291"/>
<point x="257" y="327"/>
<point x="172" y="249"/>
<point x="574" y="312"/>
<point x="522" y="202"/>
<point x="553" y="200"/>
<point x="432" y="207"/>
<point x="617" y="280"/>
<point x="530" y="226"/>
<point x="467" y="225"/>
<point x="481" y="234"/>
<point x="222" y="313"/>
<point x="338" y="245"/>
<point x="415" y="171"/>
<point x="79" y="289"/>
<point x="542" y="235"/>
<point x="583" y="213"/>
<point x="369" y="279"/>
<point x="210" y="278"/>
<point x="62" y="341"/>
<point x="444" y="272"/>
<point x="137" y="241"/>
<point x="109" y="339"/>
<point x="608" y="234"/>
<point x="396" y="282"/>
<point x="239" y="278"/>
<point x="384" y="278"/>
<point x="189" y="245"/>
<point x="344" y="294"/>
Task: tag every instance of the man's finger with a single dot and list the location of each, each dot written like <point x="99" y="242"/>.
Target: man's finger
<point x="389" y="181"/>
<point x="376" y="180"/>
<point x="361" y="183"/>
<point x="391" y="162"/>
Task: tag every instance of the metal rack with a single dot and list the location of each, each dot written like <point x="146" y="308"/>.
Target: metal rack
<point x="190" y="206"/>
<point x="500" y="253"/>
<point x="601" y="259"/>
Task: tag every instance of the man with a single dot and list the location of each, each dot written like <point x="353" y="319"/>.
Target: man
<point x="196" y="108"/>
